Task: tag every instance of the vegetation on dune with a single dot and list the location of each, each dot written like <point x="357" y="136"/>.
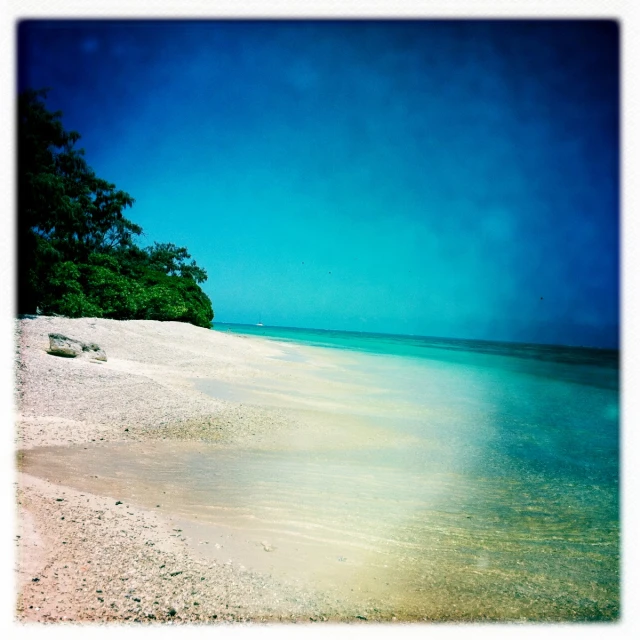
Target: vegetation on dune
<point x="77" y="253"/>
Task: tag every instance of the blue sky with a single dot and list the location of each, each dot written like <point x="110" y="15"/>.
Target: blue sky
<point x="454" y="179"/>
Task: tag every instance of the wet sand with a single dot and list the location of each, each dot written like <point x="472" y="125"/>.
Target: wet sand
<point x="81" y="556"/>
<point x="166" y="391"/>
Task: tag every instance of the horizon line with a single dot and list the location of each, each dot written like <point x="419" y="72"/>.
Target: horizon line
<point x="429" y="337"/>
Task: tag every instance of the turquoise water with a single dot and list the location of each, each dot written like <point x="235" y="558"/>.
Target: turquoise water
<point x="565" y="400"/>
<point x="424" y="346"/>
<point x="598" y="367"/>
<point x="557" y="408"/>
<point x="528" y="438"/>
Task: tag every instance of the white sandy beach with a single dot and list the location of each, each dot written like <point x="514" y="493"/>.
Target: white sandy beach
<point x="83" y="557"/>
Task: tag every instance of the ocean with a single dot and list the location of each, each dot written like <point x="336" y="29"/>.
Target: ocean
<point x="505" y="472"/>
<point x="588" y="365"/>
<point x="422" y="346"/>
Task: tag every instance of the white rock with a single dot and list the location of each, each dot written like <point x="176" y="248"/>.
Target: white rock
<point x="60" y="345"/>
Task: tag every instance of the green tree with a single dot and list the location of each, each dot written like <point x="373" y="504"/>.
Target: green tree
<point x="64" y="210"/>
<point x="77" y="252"/>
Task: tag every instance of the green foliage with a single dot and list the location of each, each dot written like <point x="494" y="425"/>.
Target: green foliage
<point x="169" y="259"/>
<point x="77" y="254"/>
<point x="171" y="297"/>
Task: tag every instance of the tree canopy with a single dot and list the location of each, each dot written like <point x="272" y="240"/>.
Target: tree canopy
<point x="77" y="253"/>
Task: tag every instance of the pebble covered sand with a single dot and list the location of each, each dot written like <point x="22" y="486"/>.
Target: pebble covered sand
<point x="87" y="557"/>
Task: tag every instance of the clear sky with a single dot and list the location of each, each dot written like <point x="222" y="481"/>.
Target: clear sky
<point x="454" y="179"/>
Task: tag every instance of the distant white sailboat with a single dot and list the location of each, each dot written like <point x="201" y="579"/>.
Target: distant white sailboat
<point x="260" y="323"/>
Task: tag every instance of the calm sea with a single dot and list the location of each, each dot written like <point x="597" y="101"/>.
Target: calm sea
<point x="520" y="444"/>
<point x="599" y="367"/>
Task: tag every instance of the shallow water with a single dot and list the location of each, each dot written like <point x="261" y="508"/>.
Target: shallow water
<point x="466" y="485"/>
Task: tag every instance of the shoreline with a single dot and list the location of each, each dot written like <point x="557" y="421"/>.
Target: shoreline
<point x="76" y="549"/>
<point x="375" y="482"/>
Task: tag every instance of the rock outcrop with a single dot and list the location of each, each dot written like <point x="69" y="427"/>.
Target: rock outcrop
<point x="60" y="345"/>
